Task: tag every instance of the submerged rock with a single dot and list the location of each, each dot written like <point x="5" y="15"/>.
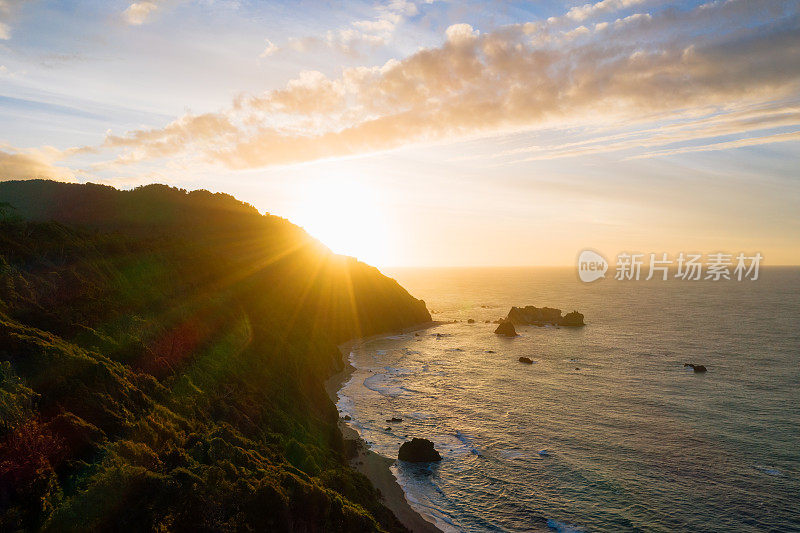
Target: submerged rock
<point x="507" y="329"/>
<point x="526" y="360"/>
<point x="394" y="419"/>
<point x="471" y="321"/>
<point x="697" y="368"/>
<point x="347" y="417"/>
<point x="418" y="451"/>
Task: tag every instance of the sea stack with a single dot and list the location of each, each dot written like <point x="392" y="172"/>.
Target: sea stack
<point x="573" y="319"/>
<point x="531" y="315"/>
<point x="506" y="329"/>
<point x="418" y="451"/>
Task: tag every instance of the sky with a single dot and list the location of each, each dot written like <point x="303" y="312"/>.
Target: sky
<point x="427" y="132"/>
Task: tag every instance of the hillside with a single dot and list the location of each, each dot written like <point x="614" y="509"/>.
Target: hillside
<point x="162" y="358"/>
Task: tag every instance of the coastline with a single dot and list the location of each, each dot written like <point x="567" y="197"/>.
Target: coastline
<point x="375" y="466"/>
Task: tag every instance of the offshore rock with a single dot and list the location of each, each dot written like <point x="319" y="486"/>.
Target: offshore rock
<point x="507" y="329"/>
<point x="418" y="451"/>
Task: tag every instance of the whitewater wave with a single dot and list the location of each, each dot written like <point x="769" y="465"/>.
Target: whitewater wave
<point x="467" y="441"/>
<point x="384" y="382"/>
<point x="770" y="471"/>
<point x="561" y="527"/>
<point x="381" y="384"/>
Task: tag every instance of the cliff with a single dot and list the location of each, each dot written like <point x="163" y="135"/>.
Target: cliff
<point x="162" y="358"/>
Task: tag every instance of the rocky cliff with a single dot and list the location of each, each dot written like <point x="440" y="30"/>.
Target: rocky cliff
<point x="162" y="355"/>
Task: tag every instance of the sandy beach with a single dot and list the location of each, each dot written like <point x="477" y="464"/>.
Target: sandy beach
<point x="372" y="465"/>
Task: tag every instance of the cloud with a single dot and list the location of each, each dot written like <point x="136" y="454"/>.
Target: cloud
<point x="140" y="12"/>
<point x="360" y="35"/>
<point x="671" y="64"/>
<point x="8" y="10"/>
<point x="461" y="34"/>
<point x="202" y="131"/>
<point x="581" y="13"/>
<point x="727" y="145"/>
<point x="32" y="163"/>
<point x="705" y="129"/>
<point x="269" y="49"/>
<point x="375" y="26"/>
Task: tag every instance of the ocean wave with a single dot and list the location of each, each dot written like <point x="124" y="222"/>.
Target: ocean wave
<point x="512" y="454"/>
<point x="467" y="442"/>
<point x="418" y="489"/>
<point x="561" y="527"/>
<point x="770" y="471"/>
<point x="380" y="383"/>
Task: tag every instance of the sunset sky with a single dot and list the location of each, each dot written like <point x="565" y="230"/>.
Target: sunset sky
<point x="428" y="133"/>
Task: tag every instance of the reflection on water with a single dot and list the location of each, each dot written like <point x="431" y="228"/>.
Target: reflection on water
<point x="606" y="431"/>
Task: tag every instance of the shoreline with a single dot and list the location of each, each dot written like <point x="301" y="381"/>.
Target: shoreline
<point x="374" y="466"/>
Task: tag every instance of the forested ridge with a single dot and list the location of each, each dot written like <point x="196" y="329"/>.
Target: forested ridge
<point x="162" y="359"/>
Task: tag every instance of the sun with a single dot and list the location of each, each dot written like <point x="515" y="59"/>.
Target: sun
<point x="346" y="215"/>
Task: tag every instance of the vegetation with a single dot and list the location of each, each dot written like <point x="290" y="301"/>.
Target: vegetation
<point x="162" y="358"/>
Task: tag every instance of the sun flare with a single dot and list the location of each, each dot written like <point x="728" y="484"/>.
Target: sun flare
<point x="346" y="216"/>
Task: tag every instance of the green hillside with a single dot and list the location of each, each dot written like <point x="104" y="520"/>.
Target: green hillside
<point x="162" y="358"/>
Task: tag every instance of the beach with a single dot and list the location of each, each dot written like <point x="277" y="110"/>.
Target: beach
<point x="373" y="465"/>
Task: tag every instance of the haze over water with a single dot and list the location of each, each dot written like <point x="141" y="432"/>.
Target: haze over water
<point x="606" y="431"/>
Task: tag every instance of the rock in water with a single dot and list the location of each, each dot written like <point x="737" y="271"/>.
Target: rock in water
<point x="526" y="360"/>
<point x="573" y="319"/>
<point x="531" y="315"/>
<point x="418" y="451"/>
<point x="471" y="321"/>
<point x="697" y="368"/>
<point x="507" y="329"/>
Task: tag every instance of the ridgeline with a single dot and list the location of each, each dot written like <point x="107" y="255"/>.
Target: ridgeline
<point x="162" y="359"/>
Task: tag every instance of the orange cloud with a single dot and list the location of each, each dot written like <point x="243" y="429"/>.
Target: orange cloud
<point x="30" y="164"/>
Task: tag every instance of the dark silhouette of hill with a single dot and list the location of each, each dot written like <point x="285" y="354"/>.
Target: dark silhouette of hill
<point x="162" y="358"/>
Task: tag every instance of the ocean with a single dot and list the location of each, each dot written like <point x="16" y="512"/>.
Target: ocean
<point x="606" y="431"/>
